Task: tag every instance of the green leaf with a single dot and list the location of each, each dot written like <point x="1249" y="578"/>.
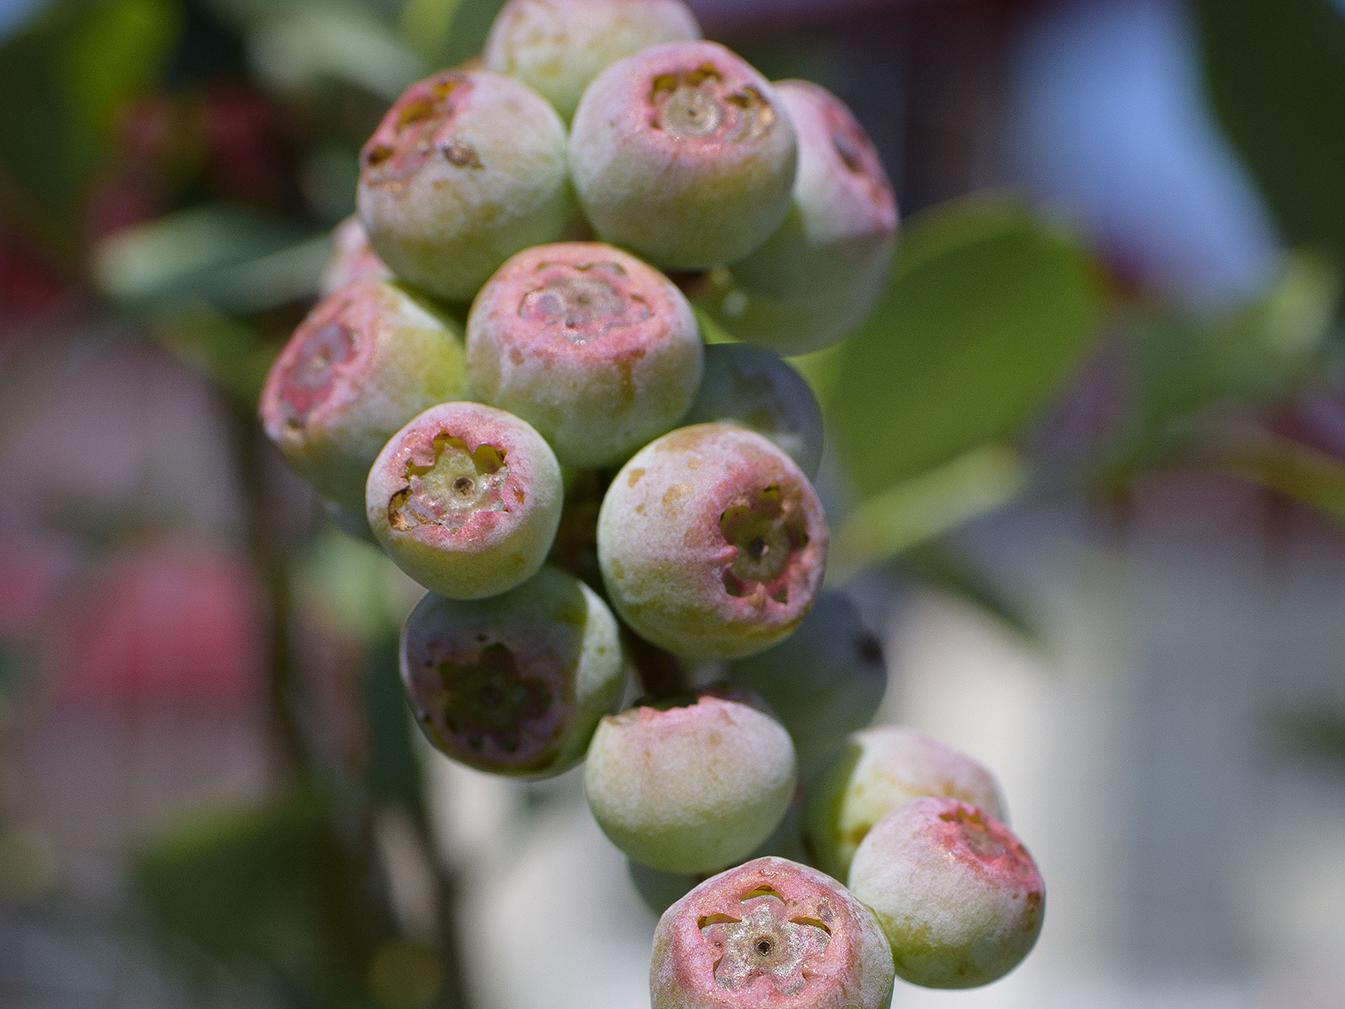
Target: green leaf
<point x="987" y="312"/>
<point x="924" y="508"/>
<point x="1275" y="73"/>
<point x="1303" y="473"/>
<point x="238" y="260"/>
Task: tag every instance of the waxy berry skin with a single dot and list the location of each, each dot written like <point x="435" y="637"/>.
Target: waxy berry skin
<point x="753" y="387"/>
<point x="366" y="360"/>
<point x="597" y="350"/>
<point x="826" y="680"/>
<point x="770" y="934"/>
<point x="879" y="770"/>
<point x="514" y="684"/>
<point x="466" y="499"/>
<point x="712" y="542"/>
<point x="466" y="168"/>
<point x="818" y="276"/>
<point x="957" y="894"/>
<point x="692" y="787"/>
<point x="684" y="154"/>
<point x="559" y="46"/>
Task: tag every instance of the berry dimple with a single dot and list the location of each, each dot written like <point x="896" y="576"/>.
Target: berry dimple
<point x="767" y="529"/>
<point x="700" y="103"/>
<point x="450" y="485"/>
<point x="419" y="127"/>
<point x="310" y="375"/>
<point x="582" y="301"/>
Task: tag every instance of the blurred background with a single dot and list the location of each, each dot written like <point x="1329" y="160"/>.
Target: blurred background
<point x="1086" y="472"/>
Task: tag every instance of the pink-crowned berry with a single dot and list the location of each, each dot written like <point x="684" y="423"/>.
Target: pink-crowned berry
<point x="514" y="684"/>
<point x="712" y="542"/>
<point x="559" y="46"/>
<point x="466" y="500"/>
<point x="466" y="168"/>
<point x="365" y="361"/>
<point x="753" y="387"/>
<point x="690" y="786"/>
<point x="957" y="894"/>
<point x="352" y="258"/>
<point x="594" y="348"/>
<point x="770" y="934"/>
<point x="877" y="771"/>
<point x="824" y="682"/>
<point x="683" y="153"/>
<point x="820" y="274"/>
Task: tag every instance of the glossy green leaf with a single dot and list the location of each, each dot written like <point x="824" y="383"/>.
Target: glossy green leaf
<point x="1275" y="73"/>
<point x="988" y="311"/>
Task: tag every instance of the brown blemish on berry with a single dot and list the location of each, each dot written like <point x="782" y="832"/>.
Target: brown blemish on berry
<point x="634" y="476"/>
<point x="461" y="155"/>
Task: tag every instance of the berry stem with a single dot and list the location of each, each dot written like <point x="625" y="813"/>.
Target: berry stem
<point x="661" y="673"/>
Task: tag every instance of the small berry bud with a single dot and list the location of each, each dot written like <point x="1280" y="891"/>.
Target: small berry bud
<point x="690" y="788"/>
<point x="957" y="894"/>
<point x="712" y="542"/>
<point x="365" y="361"/>
<point x="464" y="170"/>
<point x="592" y="347"/>
<point x="824" y="682"/>
<point x="753" y="387"/>
<point x="466" y="499"/>
<point x="684" y="154"/>
<point x="558" y="48"/>
<point x="352" y="258"/>
<point x="770" y="934"/>
<point x="879" y="770"/>
<point x="514" y="684"/>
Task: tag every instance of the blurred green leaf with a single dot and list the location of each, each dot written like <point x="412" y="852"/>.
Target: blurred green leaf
<point x="239" y="260"/>
<point x="1303" y="473"/>
<point x="1255" y="355"/>
<point x="923" y="508"/>
<point x="988" y="311"/>
<point x="63" y="80"/>
<point x="1276" y="76"/>
<point x="394" y="772"/>
<point x="1314" y="734"/>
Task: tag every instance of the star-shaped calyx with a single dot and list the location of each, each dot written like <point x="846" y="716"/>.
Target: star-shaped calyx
<point x="765" y="942"/>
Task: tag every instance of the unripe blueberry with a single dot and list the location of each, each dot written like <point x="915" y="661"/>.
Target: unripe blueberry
<point x="826" y="681"/>
<point x="770" y="934"/>
<point x="959" y="897"/>
<point x="753" y="387"/>
<point x="466" y="500"/>
<point x="559" y="46"/>
<point x="514" y="684"/>
<point x="595" y="349"/>
<point x="712" y="542"/>
<point x="683" y="153"/>
<point x="879" y="770"/>
<point x="464" y="170"/>
<point x="691" y="787"/>
<point x="352" y="258"/>
<point x="365" y="361"/>
<point x="819" y="275"/>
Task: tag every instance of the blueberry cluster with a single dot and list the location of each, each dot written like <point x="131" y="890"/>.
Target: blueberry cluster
<point x="508" y="388"/>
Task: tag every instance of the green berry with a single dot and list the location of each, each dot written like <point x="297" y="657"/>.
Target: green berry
<point x="753" y="387"/>
<point x="514" y="684"/>
<point x="365" y="361"/>
<point x="559" y="46"/>
<point x="957" y="894"/>
<point x="712" y="542"/>
<point x="879" y="770"/>
<point x="684" y="154"/>
<point x="824" y="682"/>
<point x="466" y="499"/>
<point x="690" y="787"/>
<point x="817" y="277"/>
<point x="352" y="258"/>
<point x="465" y="169"/>
<point x="770" y="934"/>
<point x="595" y="349"/>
